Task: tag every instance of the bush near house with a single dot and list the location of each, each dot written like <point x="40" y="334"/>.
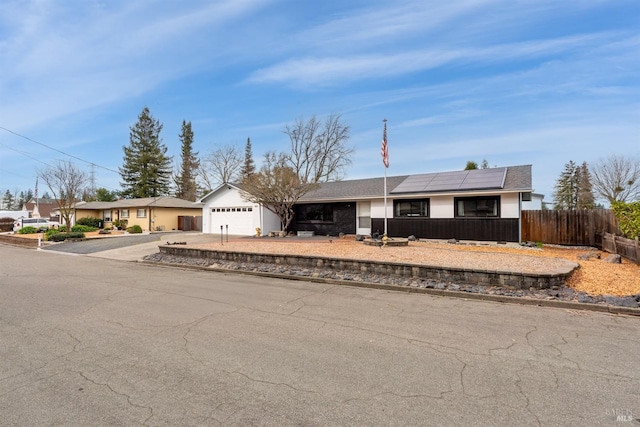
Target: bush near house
<point x="81" y="228"/>
<point x="90" y="222"/>
<point x="6" y="224"/>
<point x="59" y="237"/>
<point x="628" y="216"/>
<point x="134" y="229"/>
<point x="28" y="230"/>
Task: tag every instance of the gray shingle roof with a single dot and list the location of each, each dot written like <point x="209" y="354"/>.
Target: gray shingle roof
<point x="351" y="189"/>
<point x="158" y="202"/>
<point x="517" y="178"/>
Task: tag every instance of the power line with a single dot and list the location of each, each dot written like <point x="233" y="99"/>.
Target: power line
<point x="59" y="151"/>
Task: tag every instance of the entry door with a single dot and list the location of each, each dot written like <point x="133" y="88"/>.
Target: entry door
<point x="364" y="218"/>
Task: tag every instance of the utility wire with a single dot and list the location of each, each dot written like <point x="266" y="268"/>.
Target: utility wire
<point x="59" y="151"/>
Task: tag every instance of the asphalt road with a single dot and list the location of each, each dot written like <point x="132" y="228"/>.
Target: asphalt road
<point x="94" y="341"/>
<point x="90" y="246"/>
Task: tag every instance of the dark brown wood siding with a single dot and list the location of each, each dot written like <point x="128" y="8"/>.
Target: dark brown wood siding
<point x="487" y="229"/>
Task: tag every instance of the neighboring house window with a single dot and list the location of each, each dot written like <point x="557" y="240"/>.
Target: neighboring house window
<point x="315" y="213"/>
<point x="141" y="213"/>
<point x="411" y="208"/>
<point x="124" y="213"/>
<point x="106" y="215"/>
<point x="477" y="206"/>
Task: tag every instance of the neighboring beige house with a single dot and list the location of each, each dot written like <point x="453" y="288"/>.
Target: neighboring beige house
<point x="150" y="213"/>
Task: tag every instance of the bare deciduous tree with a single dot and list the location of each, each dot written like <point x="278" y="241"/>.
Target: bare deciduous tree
<point x="319" y="153"/>
<point x="319" y="150"/>
<point x="276" y="186"/>
<point x="222" y="165"/>
<point x="617" y="178"/>
<point x="66" y="181"/>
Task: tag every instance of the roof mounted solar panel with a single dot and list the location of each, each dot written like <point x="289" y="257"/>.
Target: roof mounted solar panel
<point x="477" y="179"/>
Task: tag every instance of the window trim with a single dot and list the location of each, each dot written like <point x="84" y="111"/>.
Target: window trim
<point x="123" y="214"/>
<point x="496" y="198"/>
<point x="144" y="213"/>
<point x="425" y="200"/>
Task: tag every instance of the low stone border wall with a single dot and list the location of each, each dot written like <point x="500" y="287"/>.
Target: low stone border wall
<point x="18" y="241"/>
<point x="454" y="275"/>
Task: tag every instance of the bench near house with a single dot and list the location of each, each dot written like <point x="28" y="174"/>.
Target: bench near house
<point x="480" y="204"/>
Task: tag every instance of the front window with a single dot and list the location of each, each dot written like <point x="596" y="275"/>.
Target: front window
<point x="486" y="207"/>
<point x="411" y="208"/>
<point x="141" y="213"/>
<point x="106" y="215"/>
<point x="315" y="213"/>
<point x="124" y="213"/>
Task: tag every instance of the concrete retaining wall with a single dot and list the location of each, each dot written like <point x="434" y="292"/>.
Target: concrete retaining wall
<point x="453" y="275"/>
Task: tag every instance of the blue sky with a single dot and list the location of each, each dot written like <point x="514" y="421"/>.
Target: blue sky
<point x="513" y="82"/>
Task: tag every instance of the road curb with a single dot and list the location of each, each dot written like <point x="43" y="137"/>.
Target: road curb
<point x="569" y="305"/>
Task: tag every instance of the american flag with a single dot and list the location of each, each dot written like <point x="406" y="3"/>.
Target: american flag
<point x="384" y="150"/>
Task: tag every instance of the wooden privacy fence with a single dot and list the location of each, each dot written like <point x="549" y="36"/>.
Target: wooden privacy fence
<point x="627" y="248"/>
<point x="582" y="227"/>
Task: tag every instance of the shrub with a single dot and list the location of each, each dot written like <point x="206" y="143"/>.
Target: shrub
<point x="628" y="216"/>
<point x="120" y="224"/>
<point x="80" y="228"/>
<point x="50" y="232"/>
<point x="6" y="223"/>
<point x="28" y="230"/>
<point x="134" y="229"/>
<point x="59" y="237"/>
<point x="90" y="221"/>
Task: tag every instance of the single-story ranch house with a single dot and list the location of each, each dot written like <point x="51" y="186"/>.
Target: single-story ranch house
<point x="480" y="204"/>
<point x="150" y="213"/>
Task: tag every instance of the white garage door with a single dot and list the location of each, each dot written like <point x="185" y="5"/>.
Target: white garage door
<point x="238" y="219"/>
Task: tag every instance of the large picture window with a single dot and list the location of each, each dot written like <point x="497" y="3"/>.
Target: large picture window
<point x="315" y="213"/>
<point x="473" y="207"/>
<point x="411" y="208"/>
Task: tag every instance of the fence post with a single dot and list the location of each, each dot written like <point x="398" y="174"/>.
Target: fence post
<point x="637" y="252"/>
<point x="615" y="246"/>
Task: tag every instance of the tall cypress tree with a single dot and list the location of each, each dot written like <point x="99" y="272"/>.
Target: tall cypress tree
<point x="586" y="199"/>
<point x="565" y="194"/>
<point x="186" y="179"/>
<point x="249" y="167"/>
<point x="146" y="171"/>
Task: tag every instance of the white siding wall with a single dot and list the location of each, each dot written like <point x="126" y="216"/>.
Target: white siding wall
<point x="535" y="204"/>
<point x="243" y="223"/>
<point x="510" y="206"/>
<point x="443" y="206"/>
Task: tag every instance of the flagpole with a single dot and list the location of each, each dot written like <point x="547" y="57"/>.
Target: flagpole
<point x="385" y="201"/>
<point x="385" y="161"/>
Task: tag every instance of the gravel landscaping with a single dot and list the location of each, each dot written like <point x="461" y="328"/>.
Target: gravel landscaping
<point x="592" y="274"/>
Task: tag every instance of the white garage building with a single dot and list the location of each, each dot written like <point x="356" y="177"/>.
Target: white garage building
<point x="224" y="207"/>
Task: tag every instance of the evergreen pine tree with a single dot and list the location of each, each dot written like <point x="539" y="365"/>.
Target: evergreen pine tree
<point x="249" y="167"/>
<point x="585" y="197"/>
<point x="146" y="171"/>
<point x="8" y="201"/>
<point x="186" y="179"/>
<point x="565" y="194"/>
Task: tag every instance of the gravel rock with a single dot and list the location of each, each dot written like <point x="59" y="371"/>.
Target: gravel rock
<point x="559" y="293"/>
